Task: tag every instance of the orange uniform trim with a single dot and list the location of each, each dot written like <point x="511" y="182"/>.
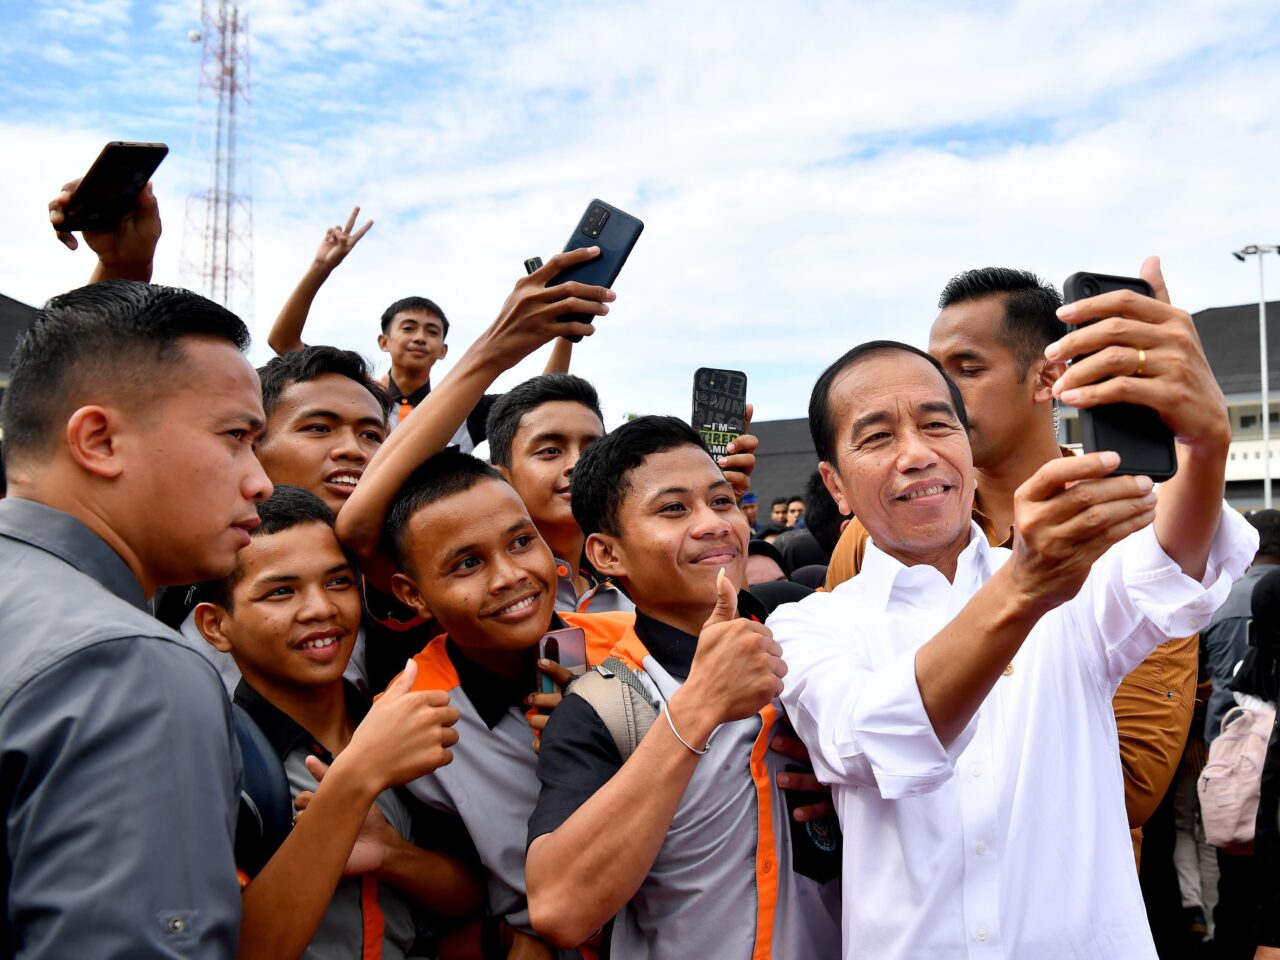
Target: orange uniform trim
<point x="374" y="921"/>
<point x="405" y="409"/>
<point x="766" y="848"/>
<point x="435" y="670"/>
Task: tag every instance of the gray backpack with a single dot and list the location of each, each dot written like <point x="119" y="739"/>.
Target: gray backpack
<point x="620" y="699"/>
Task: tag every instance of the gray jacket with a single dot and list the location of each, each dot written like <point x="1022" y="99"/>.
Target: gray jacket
<point x="119" y="774"/>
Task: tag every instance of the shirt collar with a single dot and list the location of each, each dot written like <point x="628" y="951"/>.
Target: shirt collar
<point x="71" y="541"/>
<point x="397" y="395"/>
<point x="883" y="574"/>
<point x="999" y="538"/>
<point x="489" y="693"/>
<point x="673" y="648"/>
<point x="283" y="732"/>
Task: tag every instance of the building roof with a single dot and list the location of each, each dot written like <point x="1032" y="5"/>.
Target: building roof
<point x="15" y="316"/>
<point x="786" y="460"/>
<point x="1230" y="338"/>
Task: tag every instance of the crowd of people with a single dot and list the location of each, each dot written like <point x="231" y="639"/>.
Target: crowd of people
<point x="282" y="669"/>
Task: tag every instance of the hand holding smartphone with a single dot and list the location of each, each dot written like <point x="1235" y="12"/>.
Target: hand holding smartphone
<point x="567" y="647"/>
<point x="1144" y="442"/>
<point x="615" y="233"/>
<point x="110" y="189"/>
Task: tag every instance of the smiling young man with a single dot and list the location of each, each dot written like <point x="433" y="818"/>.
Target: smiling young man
<point x="128" y="431"/>
<point x="342" y="882"/>
<point x="990" y="335"/>
<point x="705" y="861"/>
<point x="537" y="432"/>
<point x="471" y="559"/>
<point x="956" y="695"/>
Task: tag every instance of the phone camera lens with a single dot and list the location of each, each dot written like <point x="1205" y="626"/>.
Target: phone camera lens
<point x="1089" y="287"/>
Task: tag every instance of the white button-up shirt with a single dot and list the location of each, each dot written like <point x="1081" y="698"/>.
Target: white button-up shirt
<point x="1013" y="842"/>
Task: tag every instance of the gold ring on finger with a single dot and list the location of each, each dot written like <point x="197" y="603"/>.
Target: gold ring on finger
<point x="1142" y="363"/>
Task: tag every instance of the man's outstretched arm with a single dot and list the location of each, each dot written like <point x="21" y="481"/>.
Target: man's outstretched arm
<point x="528" y="319"/>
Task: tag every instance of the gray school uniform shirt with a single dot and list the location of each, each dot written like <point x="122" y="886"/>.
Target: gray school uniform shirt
<point x="492" y="782"/>
<point x="734" y="879"/>
<point x="119" y="772"/>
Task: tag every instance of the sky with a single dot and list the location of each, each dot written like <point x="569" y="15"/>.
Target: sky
<point x="810" y="173"/>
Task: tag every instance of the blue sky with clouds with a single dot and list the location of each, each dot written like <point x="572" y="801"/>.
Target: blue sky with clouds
<point x="810" y="173"/>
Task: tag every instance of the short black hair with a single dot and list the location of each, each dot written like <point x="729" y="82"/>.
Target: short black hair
<point x="446" y="474"/>
<point x="795" y="498"/>
<point x="780" y="501"/>
<point x="822" y="427"/>
<point x="415" y="303"/>
<point x="286" y="508"/>
<point x="822" y="517"/>
<point x="509" y="410"/>
<point x="1030" y="309"/>
<point x="603" y="474"/>
<point x="86" y="344"/>
<point x="305" y="365"/>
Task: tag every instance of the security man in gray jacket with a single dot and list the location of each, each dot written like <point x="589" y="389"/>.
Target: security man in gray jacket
<point x="128" y="429"/>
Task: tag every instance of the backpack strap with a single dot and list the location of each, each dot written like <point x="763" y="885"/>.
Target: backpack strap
<point x="621" y="701"/>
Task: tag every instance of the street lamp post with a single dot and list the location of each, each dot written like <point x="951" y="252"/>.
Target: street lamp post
<point x="1255" y="249"/>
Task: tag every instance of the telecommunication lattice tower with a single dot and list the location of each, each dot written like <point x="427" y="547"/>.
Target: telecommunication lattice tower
<point x="217" y="242"/>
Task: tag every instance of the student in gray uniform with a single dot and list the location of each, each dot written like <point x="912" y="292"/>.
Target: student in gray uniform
<point x="349" y="871"/>
<point x="472" y="560"/>
<point x="681" y="834"/>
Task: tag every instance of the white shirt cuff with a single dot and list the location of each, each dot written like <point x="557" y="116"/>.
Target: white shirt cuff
<point x="892" y="731"/>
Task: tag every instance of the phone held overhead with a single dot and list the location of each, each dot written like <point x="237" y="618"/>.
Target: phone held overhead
<point x="615" y="233"/>
<point x="111" y="187"/>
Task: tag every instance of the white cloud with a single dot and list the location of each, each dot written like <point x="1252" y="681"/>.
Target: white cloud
<point x="810" y="174"/>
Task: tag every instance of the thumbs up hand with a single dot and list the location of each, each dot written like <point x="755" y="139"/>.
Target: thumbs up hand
<point x="736" y="670"/>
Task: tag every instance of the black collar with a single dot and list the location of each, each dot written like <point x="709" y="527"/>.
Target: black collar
<point x="489" y="693"/>
<point x="71" y="541"/>
<point x="285" y="733"/>
<point x="673" y="648"/>
<point x="398" y="396"/>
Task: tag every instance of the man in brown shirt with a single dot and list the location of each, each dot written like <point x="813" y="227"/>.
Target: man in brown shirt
<point x="990" y="336"/>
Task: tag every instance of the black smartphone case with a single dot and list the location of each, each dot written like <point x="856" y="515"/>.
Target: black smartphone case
<point x="111" y="187"/>
<point x="719" y="407"/>
<point x="615" y="236"/>
<point x="1137" y="433"/>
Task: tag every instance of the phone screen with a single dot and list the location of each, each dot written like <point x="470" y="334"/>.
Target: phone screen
<point x="567" y="647"/>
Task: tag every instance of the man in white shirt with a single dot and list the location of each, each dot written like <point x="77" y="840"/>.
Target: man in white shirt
<point x="957" y="696"/>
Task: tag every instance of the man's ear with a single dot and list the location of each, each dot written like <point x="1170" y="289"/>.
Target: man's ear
<point x="407" y="592"/>
<point x="1050" y="371"/>
<point x="606" y="555"/>
<point x="211" y="622"/>
<point x="835" y="486"/>
<point x="505" y="471"/>
<point x="444" y="350"/>
<point x="93" y="438"/>
<point x="383" y="343"/>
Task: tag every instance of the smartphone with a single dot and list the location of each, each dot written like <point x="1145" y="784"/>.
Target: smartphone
<point x="816" y="844"/>
<point x="719" y="407"/>
<point x="1137" y="433"/>
<point x="615" y="233"/>
<point x="111" y="187"/>
<point x="567" y="647"/>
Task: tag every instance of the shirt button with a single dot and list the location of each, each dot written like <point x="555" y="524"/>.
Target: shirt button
<point x="177" y="924"/>
<point x="976" y="770"/>
<point x="980" y="848"/>
<point x="980" y="933"/>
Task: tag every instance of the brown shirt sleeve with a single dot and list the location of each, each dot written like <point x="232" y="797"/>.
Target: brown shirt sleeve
<point x="1153" y="707"/>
